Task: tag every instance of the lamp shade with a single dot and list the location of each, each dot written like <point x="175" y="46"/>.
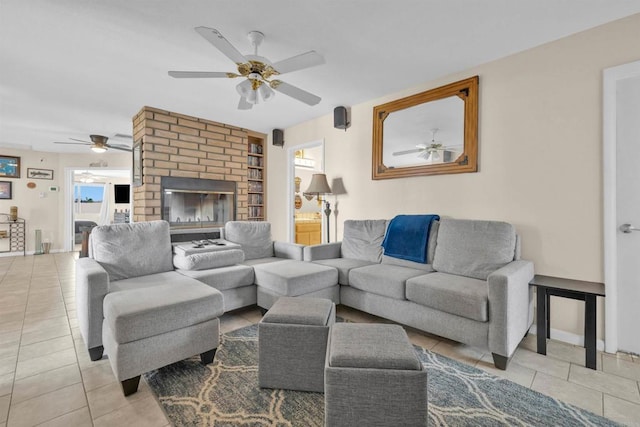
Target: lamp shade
<point x="319" y="184"/>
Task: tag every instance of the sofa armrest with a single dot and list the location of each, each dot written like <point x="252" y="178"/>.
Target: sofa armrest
<point x="92" y="284"/>
<point x="322" y="251"/>
<point x="288" y="250"/>
<point x="510" y="306"/>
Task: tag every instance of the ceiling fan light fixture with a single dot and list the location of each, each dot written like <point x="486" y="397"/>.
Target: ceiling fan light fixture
<point x="252" y="97"/>
<point x="98" y="149"/>
<point x="266" y="92"/>
<point x="244" y="88"/>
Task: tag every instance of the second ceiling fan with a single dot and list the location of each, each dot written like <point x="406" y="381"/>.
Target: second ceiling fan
<point x="257" y="70"/>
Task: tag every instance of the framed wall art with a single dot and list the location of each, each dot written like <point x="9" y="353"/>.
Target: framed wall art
<point x="9" y="166"/>
<point x="39" y="173"/>
<point x="5" y="190"/>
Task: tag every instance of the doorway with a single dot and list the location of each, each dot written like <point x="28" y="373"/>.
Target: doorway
<point x="94" y="196"/>
<point x="304" y="212"/>
<point x="621" y="178"/>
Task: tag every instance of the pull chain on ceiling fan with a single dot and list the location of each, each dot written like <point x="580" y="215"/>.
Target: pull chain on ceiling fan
<point x="257" y="70"/>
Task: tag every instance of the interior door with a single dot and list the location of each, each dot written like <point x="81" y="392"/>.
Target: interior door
<point x="628" y="212"/>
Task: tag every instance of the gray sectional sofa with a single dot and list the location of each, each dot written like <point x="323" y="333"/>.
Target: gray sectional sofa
<point x="473" y="287"/>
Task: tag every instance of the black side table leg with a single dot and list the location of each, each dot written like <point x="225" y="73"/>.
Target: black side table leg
<point x="590" y="330"/>
<point x="541" y="318"/>
<point x="548" y="316"/>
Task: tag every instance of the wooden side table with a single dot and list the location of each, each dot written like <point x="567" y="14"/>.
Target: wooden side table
<point x="548" y="286"/>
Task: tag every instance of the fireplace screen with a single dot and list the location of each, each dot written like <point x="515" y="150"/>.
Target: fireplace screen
<point x="197" y="207"/>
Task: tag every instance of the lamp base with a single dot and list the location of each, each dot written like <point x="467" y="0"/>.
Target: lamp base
<point x="327" y="212"/>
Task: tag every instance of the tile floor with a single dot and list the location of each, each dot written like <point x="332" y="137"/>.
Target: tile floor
<point x="46" y="377"/>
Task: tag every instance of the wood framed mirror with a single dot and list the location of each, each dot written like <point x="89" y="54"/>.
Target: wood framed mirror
<point x="429" y="133"/>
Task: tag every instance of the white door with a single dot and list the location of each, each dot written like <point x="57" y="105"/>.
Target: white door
<point x="628" y="212"/>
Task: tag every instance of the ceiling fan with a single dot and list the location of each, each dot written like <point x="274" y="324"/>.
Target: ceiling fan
<point x="87" y="177"/>
<point x="98" y="144"/>
<point x="257" y="70"/>
<point x="429" y="152"/>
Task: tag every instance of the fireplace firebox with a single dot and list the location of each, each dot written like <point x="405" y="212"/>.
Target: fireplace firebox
<point x="197" y="203"/>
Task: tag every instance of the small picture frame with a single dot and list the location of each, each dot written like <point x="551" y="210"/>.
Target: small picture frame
<point x="5" y="190"/>
<point x="9" y="166"/>
<point x="136" y="173"/>
<point x="39" y="173"/>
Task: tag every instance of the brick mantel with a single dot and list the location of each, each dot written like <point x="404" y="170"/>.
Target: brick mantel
<point x="183" y="146"/>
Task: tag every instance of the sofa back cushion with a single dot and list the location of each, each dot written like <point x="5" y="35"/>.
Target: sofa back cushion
<point x="473" y="248"/>
<point x="253" y="236"/>
<point x="362" y="239"/>
<point x="132" y="250"/>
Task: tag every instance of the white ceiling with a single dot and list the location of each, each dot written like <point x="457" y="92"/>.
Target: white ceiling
<point x="70" y="68"/>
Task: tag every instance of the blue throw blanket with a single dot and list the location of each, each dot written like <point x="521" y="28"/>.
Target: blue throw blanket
<point x="407" y="237"/>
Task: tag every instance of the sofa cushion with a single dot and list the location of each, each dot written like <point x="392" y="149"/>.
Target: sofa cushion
<point x="459" y="295"/>
<point x="132" y="250"/>
<point x="223" y="278"/>
<point x="343" y="265"/>
<point x="293" y="278"/>
<point x="138" y="313"/>
<point x="300" y="311"/>
<point x="208" y="260"/>
<point x="149" y="281"/>
<point x="362" y="239"/>
<point x="253" y="236"/>
<point x="386" y="280"/>
<point x="473" y="248"/>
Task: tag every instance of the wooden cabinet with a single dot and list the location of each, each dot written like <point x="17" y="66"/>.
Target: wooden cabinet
<point x="308" y="232"/>
<point x="256" y="176"/>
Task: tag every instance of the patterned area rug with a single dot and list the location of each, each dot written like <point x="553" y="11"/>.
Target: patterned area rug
<point x="226" y="393"/>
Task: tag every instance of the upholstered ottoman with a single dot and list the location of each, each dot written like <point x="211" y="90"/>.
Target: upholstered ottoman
<point x="373" y="377"/>
<point x="148" y="328"/>
<point x="292" y="343"/>
<point x="295" y="278"/>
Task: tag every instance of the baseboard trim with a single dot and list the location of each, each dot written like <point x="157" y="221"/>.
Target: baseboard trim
<point x="568" y="337"/>
<point x="8" y="254"/>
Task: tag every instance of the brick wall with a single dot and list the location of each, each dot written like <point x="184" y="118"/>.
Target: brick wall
<point x="183" y="146"/>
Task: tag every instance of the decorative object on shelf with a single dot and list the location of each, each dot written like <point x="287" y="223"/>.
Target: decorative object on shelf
<point x="13" y="213"/>
<point x="31" y="185"/>
<point x="298" y="201"/>
<point x="340" y="118"/>
<point x="9" y="166"/>
<point x="297" y="180"/>
<point x="39" y="173"/>
<point x="309" y="197"/>
<point x="319" y="186"/>
<point x="5" y="190"/>
<point x="136" y="174"/>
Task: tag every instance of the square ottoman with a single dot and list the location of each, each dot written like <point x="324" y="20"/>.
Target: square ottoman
<point x="292" y="343"/>
<point x="290" y="278"/>
<point x="149" y="328"/>
<point x="373" y="377"/>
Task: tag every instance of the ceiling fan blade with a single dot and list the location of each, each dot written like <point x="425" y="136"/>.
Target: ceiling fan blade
<point x="81" y="140"/>
<point x="201" y="74"/>
<point x="118" y="147"/>
<point x="402" y="153"/>
<point x="73" y="143"/>
<point x="244" y="104"/>
<point x="214" y="37"/>
<point x="295" y="92"/>
<point x="299" y="62"/>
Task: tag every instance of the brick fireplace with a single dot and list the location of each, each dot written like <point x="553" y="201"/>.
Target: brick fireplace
<point x="176" y="145"/>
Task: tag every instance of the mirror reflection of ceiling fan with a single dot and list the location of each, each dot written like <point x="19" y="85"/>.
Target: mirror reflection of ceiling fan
<point x="87" y="177"/>
<point x="98" y="144"/>
<point x="429" y="152"/>
<point x="257" y="70"/>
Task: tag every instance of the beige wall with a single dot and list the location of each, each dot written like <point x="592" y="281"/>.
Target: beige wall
<point x="539" y="157"/>
<point x="47" y="213"/>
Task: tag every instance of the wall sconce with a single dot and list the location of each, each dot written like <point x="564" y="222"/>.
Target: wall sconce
<point x="340" y="118"/>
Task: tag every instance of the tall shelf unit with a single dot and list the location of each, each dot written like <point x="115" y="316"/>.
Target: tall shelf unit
<point x="12" y="234"/>
<point x="256" y="177"/>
